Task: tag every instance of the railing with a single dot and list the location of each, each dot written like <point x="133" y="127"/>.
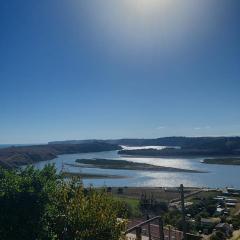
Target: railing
<point x="138" y="229"/>
<point x="153" y="229"/>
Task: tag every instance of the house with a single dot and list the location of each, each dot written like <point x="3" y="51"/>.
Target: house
<point x="233" y="190"/>
<point x="219" y="199"/>
<point x="219" y="211"/>
<point x="231" y="204"/>
<point x="209" y="222"/>
<point x="188" y="204"/>
<point x="230" y="192"/>
<point x="226" y="211"/>
<point x="231" y="200"/>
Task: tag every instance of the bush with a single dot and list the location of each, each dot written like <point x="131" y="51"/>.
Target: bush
<point x="24" y="196"/>
<point x="218" y="236"/>
<point x="39" y="204"/>
<point x="236" y="221"/>
<point x="80" y="216"/>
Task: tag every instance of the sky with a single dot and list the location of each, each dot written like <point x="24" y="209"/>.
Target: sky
<point x="76" y="69"/>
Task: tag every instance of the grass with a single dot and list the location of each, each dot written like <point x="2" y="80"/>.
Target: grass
<point x="132" y="203"/>
<point x="204" y="194"/>
<point x="235" y="210"/>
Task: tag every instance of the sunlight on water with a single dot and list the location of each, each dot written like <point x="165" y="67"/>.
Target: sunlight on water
<point x="142" y="147"/>
<point x="215" y="175"/>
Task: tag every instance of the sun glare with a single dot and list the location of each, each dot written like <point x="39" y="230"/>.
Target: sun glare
<point x="145" y="25"/>
<point x="148" y="6"/>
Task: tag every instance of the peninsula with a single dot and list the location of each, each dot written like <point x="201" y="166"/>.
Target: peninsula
<point x="22" y="155"/>
<point x="186" y="146"/>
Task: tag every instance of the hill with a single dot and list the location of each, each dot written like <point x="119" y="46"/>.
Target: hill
<point x="17" y="156"/>
<point x="213" y="143"/>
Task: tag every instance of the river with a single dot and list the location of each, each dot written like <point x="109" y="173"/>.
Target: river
<point x="216" y="176"/>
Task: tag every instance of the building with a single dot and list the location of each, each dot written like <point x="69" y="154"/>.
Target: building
<point x="231" y="200"/>
<point x="219" y="211"/>
<point x="209" y="222"/>
<point x="231" y="205"/>
<point x="219" y="199"/>
<point x="233" y="190"/>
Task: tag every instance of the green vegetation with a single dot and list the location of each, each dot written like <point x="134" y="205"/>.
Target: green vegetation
<point x="127" y="165"/>
<point x="177" y="152"/>
<point x="187" y="146"/>
<point x="149" y="204"/>
<point x="222" y="161"/>
<point x="235" y="221"/>
<point x="132" y="206"/>
<point x="227" y="144"/>
<point x="38" y="204"/>
<point x="218" y="236"/>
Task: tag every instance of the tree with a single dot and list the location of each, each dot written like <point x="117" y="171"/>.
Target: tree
<point x="84" y="216"/>
<point x="218" y="236"/>
<point x="24" y="195"/>
<point x="236" y="221"/>
<point x="41" y="205"/>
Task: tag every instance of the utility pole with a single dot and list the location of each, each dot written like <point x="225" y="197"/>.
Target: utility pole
<point x="183" y="213"/>
<point x="149" y="229"/>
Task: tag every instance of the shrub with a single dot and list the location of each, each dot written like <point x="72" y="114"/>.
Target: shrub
<point x="39" y="204"/>
<point x="81" y="216"/>
<point x="23" y="198"/>
<point x="218" y="236"/>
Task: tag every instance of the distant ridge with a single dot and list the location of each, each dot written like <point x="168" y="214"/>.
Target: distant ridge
<point x="183" y="142"/>
<point x="22" y="155"/>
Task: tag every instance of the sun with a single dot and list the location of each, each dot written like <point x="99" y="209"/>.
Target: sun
<point x="148" y="6"/>
<point x="144" y="26"/>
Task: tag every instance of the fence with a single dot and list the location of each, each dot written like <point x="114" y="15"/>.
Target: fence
<point x="153" y="229"/>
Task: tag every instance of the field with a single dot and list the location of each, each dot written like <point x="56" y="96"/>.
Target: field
<point x="159" y="193"/>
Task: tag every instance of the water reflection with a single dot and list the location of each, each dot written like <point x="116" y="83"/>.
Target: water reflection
<point x="216" y="176"/>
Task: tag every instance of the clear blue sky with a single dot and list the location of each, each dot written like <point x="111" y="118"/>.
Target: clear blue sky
<point x="72" y="69"/>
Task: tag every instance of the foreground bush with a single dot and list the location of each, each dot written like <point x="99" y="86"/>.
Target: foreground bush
<point x="218" y="236"/>
<point x="24" y="196"/>
<point x="40" y="205"/>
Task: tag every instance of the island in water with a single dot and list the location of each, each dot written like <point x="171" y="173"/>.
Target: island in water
<point x="127" y="165"/>
<point x="222" y="161"/>
<point x="90" y="175"/>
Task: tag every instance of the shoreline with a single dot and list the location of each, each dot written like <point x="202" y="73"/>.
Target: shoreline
<point x="17" y="156"/>
<point x="179" y="156"/>
<point x="91" y="175"/>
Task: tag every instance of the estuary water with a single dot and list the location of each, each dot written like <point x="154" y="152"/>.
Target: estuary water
<point x="215" y="176"/>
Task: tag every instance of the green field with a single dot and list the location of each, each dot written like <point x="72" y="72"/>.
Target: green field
<point x="132" y="203"/>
